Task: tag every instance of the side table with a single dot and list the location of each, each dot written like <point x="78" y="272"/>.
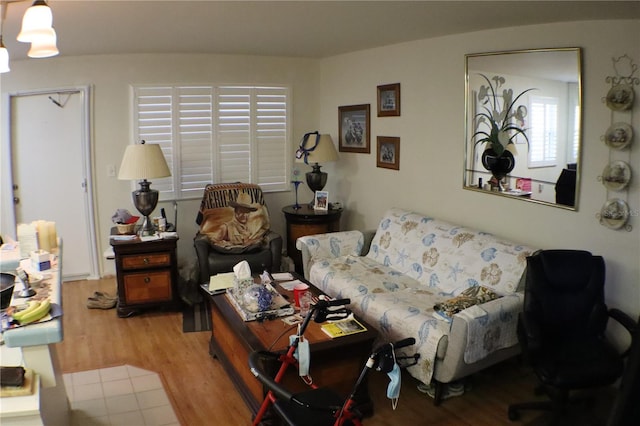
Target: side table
<point x="147" y="274"/>
<point x="307" y="221"/>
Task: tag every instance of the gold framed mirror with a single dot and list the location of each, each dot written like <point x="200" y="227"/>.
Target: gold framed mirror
<point x="523" y="111"/>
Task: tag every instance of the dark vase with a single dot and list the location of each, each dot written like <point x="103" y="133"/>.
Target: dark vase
<point x="499" y="166"/>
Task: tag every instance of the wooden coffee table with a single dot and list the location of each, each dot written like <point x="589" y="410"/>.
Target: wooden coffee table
<point x="335" y="363"/>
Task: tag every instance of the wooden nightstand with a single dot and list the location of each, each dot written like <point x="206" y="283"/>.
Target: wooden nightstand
<point x="307" y="221"/>
<point x="147" y="273"/>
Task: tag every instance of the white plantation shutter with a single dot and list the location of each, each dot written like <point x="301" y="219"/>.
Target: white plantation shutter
<point x="194" y="159"/>
<point x="271" y="136"/>
<point x="215" y="134"/>
<point x="153" y="114"/>
<point x="233" y="134"/>
<point x="543" y="133"/>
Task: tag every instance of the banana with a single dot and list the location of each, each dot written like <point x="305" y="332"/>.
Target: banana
<point x="33" y="305"/>
<point x="36" y="314"/>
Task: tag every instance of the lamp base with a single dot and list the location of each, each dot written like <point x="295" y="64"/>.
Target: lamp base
<point x="145" y="199"/>
<point x="147" y="228"/>
<point x="316" y="180"/>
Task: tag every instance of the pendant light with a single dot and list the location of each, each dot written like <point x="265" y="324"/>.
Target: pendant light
<point x="4" y="53"/>
<point x="44" y="46"/>
<point x="36" y="22"/>
<point x="4" y="57"/>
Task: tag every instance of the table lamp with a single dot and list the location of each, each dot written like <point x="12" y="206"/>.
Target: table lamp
<point x="316" y="148"/>
<point x="141" y="162"/>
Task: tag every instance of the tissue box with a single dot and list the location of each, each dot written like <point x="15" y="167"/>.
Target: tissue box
<point x="9" y="257"/>
<point x="40" y="260"/>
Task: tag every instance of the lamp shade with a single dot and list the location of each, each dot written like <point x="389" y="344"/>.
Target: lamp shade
<point x="44" y="46"/>
<point x="143" y="161"/>
<point x="36" y="20"/>
<point x="324" y="151"/>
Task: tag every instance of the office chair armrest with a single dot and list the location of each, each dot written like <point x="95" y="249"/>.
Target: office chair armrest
<point x="626" y="321"/>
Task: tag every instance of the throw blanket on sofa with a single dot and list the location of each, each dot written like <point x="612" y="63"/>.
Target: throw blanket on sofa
<point x="414" y="263"/>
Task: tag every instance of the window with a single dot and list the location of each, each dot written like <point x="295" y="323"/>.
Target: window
<point x="212" y="134"/>
<point x="543" y="132"/>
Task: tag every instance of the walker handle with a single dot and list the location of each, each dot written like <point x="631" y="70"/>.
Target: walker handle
<point x="404" y="342"/>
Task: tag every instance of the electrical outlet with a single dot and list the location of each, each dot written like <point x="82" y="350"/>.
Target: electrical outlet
<point x="111" y="170"/>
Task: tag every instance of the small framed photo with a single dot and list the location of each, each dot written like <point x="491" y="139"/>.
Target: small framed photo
<point x="389" y="100"/>
<point x="388" y="152"/>
<point x="321" y="200"/>
<point x="354" y="128"/>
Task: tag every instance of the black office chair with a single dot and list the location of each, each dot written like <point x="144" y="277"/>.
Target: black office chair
<point x="562" y="327"/>
<point x="626" y="410"/>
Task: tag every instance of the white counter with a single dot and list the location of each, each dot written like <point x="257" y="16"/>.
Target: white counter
<point x="32" y="347"/>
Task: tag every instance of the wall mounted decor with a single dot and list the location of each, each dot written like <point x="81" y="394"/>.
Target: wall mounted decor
<point x="388" y="156"/>
<point x="354" y="127"/>
<point x="389" y="100"/>
<point x="535" y="98"/>
<point x="616" y="175"/>
<point x="618" y="137"/>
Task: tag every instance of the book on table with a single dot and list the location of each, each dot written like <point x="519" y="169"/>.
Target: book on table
<point x="344" y="327"/>
<point x="221" y="282"/>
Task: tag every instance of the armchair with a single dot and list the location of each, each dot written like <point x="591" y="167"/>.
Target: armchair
<point x="234" y="226"/>
<point x="562" y="327"/>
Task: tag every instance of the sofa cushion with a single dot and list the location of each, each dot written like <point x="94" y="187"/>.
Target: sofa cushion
<point x="449" y="257"/>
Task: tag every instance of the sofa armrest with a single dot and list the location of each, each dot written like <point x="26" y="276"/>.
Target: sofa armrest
<point x="487" y="327"/>
<point x="330" y="245"/>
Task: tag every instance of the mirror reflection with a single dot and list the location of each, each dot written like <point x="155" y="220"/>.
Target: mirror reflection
<point x="523" y="112"/>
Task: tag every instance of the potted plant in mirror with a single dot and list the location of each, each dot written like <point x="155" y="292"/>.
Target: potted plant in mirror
<point x="498" y="124"/>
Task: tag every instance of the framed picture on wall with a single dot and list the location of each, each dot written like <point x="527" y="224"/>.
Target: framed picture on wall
<point x="389" y="100"/>
<point x="321" y="200"/>
<point x="354" y="128"/>
<point x="388" y="152"/>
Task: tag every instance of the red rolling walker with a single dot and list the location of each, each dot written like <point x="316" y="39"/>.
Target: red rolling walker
<point x="317" y="406"/>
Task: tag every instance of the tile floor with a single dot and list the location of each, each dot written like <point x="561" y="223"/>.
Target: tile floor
<point x="124" y="395"/>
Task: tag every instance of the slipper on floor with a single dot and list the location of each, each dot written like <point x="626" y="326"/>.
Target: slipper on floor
<point x="103" y="295"/>
<point x="100" y="303"/>
<point x="450" y="389"/>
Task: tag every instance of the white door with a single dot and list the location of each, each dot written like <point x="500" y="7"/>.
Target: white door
<point x="51" y="174"/>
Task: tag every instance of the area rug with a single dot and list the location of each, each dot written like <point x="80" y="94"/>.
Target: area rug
<point x="196" y="318"/>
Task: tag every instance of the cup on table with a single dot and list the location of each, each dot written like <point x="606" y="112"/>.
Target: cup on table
<point x="298" y="289"/>
<point x="305" y="303"/>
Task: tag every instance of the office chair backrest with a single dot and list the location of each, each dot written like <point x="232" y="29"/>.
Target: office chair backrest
<point x="564" y="293"/>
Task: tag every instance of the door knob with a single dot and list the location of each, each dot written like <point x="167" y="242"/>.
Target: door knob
<point x="16" y="200"/>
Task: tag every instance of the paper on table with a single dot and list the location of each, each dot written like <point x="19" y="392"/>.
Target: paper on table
<point x="288" y="285"/>
<point x="282" y="276"/>
<point x="221" y="281"/>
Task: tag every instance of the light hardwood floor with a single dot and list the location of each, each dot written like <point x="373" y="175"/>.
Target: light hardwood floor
<point x="202" y="394"/>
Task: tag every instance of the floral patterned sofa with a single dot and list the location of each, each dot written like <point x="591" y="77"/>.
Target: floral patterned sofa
<point x="415" y="263"/>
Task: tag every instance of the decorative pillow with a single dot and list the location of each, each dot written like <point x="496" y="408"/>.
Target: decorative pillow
<point x="470" y="297"/>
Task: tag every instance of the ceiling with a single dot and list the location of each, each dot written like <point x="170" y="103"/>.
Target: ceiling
<point x="313" y="29"/>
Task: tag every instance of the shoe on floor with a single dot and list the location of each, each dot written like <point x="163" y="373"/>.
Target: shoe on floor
<point x="450" y="389"/>
<point x="103" y="295"/>
<point x="100" y="303"/>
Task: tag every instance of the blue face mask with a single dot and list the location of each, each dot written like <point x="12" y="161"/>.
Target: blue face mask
<point x="395" y="379"/>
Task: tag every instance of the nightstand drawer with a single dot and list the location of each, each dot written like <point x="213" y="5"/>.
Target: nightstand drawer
<point x="148" y="287"/>
<point x="148" y="260"/>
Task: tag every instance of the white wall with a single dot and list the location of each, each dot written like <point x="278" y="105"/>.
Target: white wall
<point x="431" y="130"/>
<point x="111" y="77"/>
